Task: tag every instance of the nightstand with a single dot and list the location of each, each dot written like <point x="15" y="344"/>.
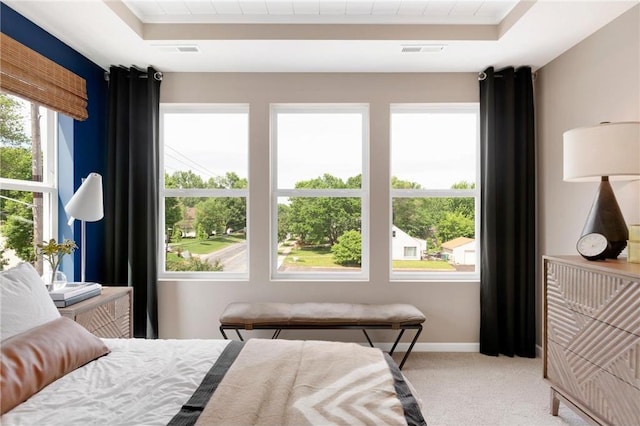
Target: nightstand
<point x="107" y="315"/>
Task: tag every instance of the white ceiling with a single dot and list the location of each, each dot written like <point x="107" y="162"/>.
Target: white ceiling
<point x="314" y="11"/>
<point x="321" y="35"/>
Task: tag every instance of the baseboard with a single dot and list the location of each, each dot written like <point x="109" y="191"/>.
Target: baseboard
<point x="432" y="347"/>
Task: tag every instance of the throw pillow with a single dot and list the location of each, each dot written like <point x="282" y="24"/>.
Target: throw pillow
<point x="24" y="300"/>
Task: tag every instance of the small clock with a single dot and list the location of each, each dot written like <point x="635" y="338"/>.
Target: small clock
<point x="593" y="246"/>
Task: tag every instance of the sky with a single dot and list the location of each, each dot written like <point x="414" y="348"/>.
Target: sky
<point x="433" y="149"/>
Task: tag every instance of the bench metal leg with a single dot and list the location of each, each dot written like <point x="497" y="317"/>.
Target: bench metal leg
<point x="368" y="339"/>
<point x="393" y="348"/>
<point x="276" y="334"/>
<point x="413" y="342"/>
<point x="225" y="334"/>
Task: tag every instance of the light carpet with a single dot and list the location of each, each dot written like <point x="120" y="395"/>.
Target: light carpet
<point x="470" y="389"/>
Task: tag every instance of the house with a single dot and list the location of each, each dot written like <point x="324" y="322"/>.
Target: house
<point x="406" y="247"/>
<point x="585" y="56"/>
<point x="461" y="251"/>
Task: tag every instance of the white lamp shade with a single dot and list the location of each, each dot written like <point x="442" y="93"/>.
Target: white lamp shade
<point x="609" y="149"/>
<point x="86" y="204"/>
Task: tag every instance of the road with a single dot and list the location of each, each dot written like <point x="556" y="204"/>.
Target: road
<point x="233" y="257"/>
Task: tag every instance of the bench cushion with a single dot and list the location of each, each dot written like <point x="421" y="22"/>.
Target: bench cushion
<point x="249" y="315"/>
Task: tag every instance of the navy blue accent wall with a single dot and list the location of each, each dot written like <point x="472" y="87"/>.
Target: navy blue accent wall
<point x="85" y="140"/>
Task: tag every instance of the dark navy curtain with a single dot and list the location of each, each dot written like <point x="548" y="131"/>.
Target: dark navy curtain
<point x="131" y="199"/>
<point x="508" y="259"/>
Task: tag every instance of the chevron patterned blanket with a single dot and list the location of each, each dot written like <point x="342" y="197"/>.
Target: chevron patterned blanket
<point x="293" y="382"/>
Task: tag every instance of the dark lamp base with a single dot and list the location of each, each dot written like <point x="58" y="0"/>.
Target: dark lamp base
<point x="606" y="218"/>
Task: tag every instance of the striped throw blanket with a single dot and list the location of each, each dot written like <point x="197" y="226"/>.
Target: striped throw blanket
<point x="294" y="382"/>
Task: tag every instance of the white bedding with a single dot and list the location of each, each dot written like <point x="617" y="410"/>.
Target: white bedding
<point x="141" y="382"/>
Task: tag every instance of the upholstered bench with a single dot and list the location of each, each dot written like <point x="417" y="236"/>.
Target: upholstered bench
<point x="306" y="316"/>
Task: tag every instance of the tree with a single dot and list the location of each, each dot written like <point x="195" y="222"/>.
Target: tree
<point x="220" y="214"/>
<point x="12" y="120"/>
<point x="176" y="236"/>
<point x="18" y="232"/>
<point x="172" y="213"/>
<point x="454" y="225"/>
<point x="284" y="219"/>
<point x="212" y="214"/>
<point x="348" y="250"/>
<point x="184" y="180"/>
<point x="321" y="220"/>
<point x="229" y="181"/>
<point x="201" y="234"/>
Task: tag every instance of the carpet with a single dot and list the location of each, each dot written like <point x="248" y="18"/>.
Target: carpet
<point x="471" y="389"/>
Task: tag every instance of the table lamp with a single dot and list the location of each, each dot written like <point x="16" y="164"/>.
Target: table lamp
<point x="86" y="205"/>
<point x="608" y="151"/>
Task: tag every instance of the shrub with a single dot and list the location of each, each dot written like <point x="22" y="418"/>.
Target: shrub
<point x="348" y="250"/>
<point x="175" y="263"/>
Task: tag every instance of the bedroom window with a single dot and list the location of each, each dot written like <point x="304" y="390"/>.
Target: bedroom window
<point x="204" y="191"/>
<point x="435" y="192"/>
<point x="319" y="192"/>
<point x="28" y="180"/>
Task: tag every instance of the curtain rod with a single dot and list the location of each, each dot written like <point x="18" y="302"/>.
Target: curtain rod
<point x="483" y="75"/>
<point x="157" y="75"/>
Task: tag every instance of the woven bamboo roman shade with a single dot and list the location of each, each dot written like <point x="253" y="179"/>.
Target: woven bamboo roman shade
<point x="28" y="74"/>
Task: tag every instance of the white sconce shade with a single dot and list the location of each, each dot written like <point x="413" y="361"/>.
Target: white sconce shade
<point x="86" y="204"/>
<point x="609" y="149"/>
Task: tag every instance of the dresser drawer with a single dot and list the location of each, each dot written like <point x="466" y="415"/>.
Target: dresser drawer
<point x="106" y="315"/>
<point x="118" y="328"/>
<point x="103" y="314"/>
<point x="592" y="337"/>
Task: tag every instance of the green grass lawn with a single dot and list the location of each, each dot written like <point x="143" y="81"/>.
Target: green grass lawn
<point x="321" y="256"/>
<point x="422" y="264"/>
<point x="206" y="246"/>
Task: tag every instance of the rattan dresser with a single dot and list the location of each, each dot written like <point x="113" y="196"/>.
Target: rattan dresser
<point x="107" y="315"/>
<point x="592" y="338"/>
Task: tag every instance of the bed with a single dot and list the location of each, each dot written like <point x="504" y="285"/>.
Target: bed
<point x="55" y="372"/>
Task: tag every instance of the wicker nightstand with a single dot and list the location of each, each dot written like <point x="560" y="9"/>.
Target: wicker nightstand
<point x="107" y="315"/>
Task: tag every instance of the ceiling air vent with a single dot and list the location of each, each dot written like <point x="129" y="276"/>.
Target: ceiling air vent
<point x="172" y="48"/>
<point x="422" y="48"/>
<point x="188" y="49"/>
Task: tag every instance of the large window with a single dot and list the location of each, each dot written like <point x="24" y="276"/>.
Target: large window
<point x="204" y="191"/>
<point x="28" y="180"/>
<point x="435" y="194"/>
<point x="320" y="181"/>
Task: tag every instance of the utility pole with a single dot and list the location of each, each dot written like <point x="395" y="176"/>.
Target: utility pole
<point x="36" y="173"/>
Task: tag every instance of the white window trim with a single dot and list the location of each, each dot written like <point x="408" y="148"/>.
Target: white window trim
<point x="434" y="108"/>
<point x="362" y="193"/>
<point x="199" y="192"/>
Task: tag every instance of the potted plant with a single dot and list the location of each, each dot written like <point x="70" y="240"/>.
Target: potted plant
<point x="53" y="252"/>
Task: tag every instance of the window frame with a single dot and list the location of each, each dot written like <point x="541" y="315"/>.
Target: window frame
<point x="192" y="108"/>
<point x="462" y="107"/>
<point x="49" y="184"/>
<point x="363" y="193"/>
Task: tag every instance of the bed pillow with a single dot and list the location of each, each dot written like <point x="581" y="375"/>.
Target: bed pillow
<point x="25" y="301"/>
<point x="41" y="355"/>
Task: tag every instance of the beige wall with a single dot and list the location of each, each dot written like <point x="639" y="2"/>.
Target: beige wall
<point x="597" y="80"/>
<point x="191" y="309"/>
